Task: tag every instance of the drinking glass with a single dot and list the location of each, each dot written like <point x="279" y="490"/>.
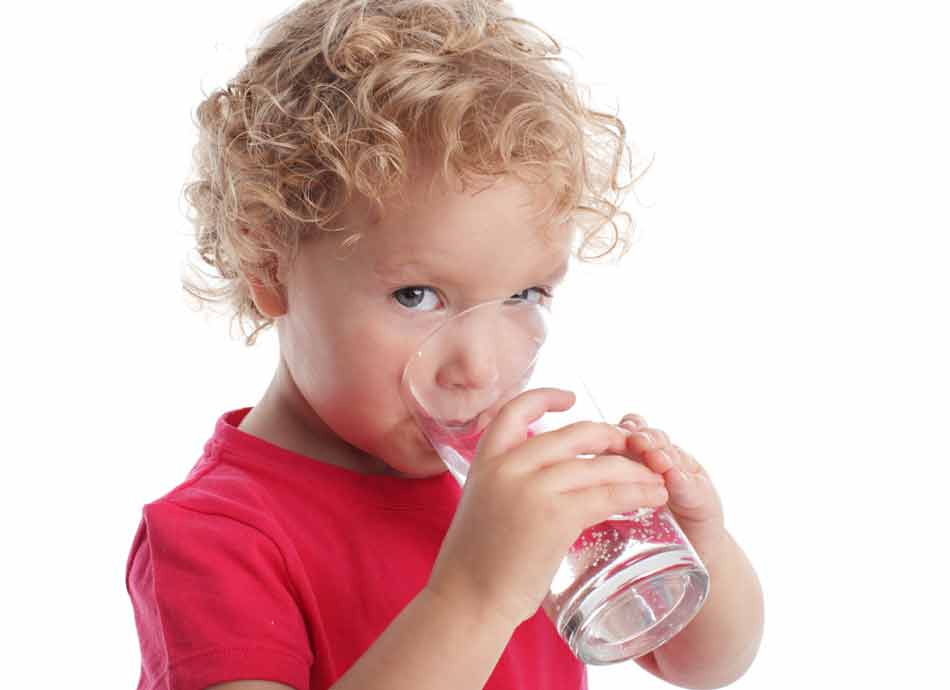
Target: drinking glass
<point x="628" y="584"/>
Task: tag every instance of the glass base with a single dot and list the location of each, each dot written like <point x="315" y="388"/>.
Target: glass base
<point x="634" y="609"/>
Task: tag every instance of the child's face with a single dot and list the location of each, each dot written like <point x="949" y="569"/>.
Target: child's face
<point x="352" y="324"/>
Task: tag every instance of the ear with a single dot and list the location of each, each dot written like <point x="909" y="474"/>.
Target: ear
<point x="268" y="301"/>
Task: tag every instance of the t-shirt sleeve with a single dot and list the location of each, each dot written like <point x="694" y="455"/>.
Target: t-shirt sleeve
<point x="212" y="603"/>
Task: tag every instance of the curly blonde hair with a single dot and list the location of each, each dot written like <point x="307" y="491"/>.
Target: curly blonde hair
<point x="336" y="95"/>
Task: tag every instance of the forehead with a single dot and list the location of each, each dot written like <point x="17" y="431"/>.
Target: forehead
<point x="502" y="224"/>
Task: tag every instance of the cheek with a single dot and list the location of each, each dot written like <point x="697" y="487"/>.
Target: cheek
<point x="304" y="348"/>
<point x="361" y="382"/>
<point x="351" y="375"/>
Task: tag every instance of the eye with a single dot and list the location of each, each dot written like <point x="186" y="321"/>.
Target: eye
<point x="412" y="296"/>
<point x="545" y="293"/>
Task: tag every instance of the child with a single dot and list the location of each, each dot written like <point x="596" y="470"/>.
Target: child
<point x="377" y="167"/>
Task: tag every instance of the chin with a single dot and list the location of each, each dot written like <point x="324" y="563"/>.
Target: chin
<point x="422" y="463"/>
<point x="413" y="457"/>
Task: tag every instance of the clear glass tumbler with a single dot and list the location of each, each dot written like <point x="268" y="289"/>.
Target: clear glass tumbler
<point x="629" y="583"/>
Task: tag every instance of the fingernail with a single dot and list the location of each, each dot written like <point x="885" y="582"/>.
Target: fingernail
<point x="624" y="429"/>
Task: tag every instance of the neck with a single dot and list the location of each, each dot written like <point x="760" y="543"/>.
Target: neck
<point x="284" y="417"/>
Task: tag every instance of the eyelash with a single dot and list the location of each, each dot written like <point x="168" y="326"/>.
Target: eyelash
<point x="543" y="290"/>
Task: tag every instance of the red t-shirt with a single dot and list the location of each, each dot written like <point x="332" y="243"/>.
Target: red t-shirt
<point x="265" y="564"/>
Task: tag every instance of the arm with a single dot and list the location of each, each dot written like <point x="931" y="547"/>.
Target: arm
<point x="433" y="643"/>
<point x="421" y="647"/>
<point x="718" y="646"/>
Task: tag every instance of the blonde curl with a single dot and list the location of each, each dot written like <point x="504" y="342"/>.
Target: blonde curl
<point x="338" y="92"/>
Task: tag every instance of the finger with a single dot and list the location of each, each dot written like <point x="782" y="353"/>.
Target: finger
<point x="510" y="426"/>
<point x="643" y="440"/>
<point x="636" y="420"/>
<point x="566" y="443"/>
<point x="582" y="473"/>
<point x="657" y="437"/>
<point x="660" y="460"/>
<point x="596" y="504"/>
<point x="688" y="462"/>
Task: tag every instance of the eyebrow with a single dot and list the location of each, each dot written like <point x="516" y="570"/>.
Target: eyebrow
<point x="397" y="269"/>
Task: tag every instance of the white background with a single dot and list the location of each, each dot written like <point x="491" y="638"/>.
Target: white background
<point x="782" y="316"/>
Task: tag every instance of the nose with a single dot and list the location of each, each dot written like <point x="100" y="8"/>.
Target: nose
<point x="469" y="364"/>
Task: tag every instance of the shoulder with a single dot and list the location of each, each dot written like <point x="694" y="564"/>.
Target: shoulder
<point x="179" y="543"/>
<point x="171" y="527"/>
<point x="214" y="599"/>
<point x="222" y="498"/>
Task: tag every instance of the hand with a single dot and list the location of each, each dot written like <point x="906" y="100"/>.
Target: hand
<point x="526" y="501"/>
<point x="694" y="501"/>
